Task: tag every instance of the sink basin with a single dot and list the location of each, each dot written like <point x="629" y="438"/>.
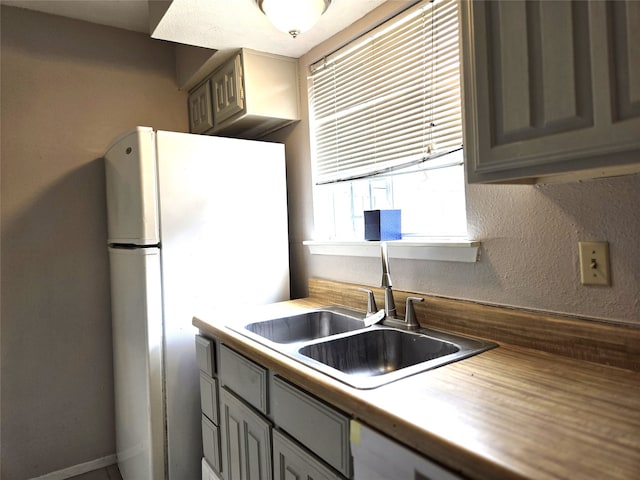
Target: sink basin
<point x="306" y="326"/>
<point x="335" y="341"/>
<point x="374" y="357"/>
<point x="377" y="352"/>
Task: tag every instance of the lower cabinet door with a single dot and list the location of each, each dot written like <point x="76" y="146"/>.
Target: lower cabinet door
<point x="292" y="462"/>
<point x="211" y="443"/>
<point x="246" y="441"/>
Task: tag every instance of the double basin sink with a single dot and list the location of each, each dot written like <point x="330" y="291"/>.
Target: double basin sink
<point x="335" y="341"/>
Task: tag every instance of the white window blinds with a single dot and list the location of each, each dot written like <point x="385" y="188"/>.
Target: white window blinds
<point x="389" y="99"/>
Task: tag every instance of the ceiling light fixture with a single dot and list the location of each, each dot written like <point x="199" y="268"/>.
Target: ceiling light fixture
<point x="293" y="16"/>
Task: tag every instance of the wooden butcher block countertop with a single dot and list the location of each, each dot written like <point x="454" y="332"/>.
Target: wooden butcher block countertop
<point x="563" y="407"/>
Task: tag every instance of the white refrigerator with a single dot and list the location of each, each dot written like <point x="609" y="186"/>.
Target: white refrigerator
<point x="197" y="225"/>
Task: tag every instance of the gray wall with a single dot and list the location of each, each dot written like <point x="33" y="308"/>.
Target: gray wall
<point x="68" y="88"/>
<point x="529" y="235"/>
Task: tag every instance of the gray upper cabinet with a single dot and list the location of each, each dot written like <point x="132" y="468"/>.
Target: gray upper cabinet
<point x="249" y="96"/>
<point x="551" y="90"/>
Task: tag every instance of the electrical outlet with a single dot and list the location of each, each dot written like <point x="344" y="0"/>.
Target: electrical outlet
<point x="594" y="263"/>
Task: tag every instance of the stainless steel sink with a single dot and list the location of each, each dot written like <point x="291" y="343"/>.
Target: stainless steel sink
<point x="335" y="341"/>
<point x="374" y="357"/>
<point x="306" y="326"/>
<point x="377" y="352"/>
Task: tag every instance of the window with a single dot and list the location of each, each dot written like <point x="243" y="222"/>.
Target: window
<point x="386" y="127"/>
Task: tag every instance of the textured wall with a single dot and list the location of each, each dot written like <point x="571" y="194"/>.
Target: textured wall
<point x="529" y="254"/>
<point x="529" y="235"/>
<point x="68" y="88"/>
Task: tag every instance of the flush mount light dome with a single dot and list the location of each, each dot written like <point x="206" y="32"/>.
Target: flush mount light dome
<point x="293" y="16"/>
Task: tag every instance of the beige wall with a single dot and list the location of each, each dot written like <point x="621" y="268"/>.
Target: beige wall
<point x="68" y="88"/>
<point x="529" y="235"/>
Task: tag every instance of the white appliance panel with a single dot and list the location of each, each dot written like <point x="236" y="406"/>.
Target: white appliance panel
<point x="377" y="457"/>
<point x="137" y="352"/>
<point x="132" y="207"/>
<point x="223" y="229"/>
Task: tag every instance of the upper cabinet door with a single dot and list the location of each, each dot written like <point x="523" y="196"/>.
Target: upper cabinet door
<point x="132" y="191"/>
<point x="200" y="109"/>
<point x="550" y="88"/>
<point x="228" y="93"/>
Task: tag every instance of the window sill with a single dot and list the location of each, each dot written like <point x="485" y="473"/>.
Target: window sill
<point x="448" y="250"/>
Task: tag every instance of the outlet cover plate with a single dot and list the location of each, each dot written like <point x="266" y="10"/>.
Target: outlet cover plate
<point x="594" y="263"/>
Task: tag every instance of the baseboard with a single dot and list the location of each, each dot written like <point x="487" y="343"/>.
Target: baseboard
<point x="79" y="469"/>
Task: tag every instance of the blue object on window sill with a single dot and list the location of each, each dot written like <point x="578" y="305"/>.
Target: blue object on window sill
<point x="382" y="225"/>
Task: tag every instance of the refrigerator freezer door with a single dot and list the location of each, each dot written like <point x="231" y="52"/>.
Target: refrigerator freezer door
<point x="132" y="201"/>
<point x="223" y="218"/>
<point x="136" y="306"/>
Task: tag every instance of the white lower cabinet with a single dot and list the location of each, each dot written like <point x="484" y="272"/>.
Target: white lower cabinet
<point x="377" y="457"/>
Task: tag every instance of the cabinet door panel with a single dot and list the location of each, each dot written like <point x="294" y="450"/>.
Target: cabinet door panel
<point x="205" y="355"/>
<point x="624" y="18"/>
<point x="509" y="74"/>
<point x="209" y="397"/>
<point x="246" y="441"/>
<point x="211" y="443"/>
<point x="539" y="69"/>
<point x="551" y="89"/>
<point x="245" y="378"/>
<point x="233" y="445"/>
<point x="254" y="456"/>
<point x="228" y="91"/>
<point x="292" y="462"/>
<point x="316" y="425"/>
<point x="200" y="111"/>
<point x="564" y="91"/>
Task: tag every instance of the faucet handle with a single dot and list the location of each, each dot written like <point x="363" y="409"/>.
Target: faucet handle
<point x="371" y="301"/>
<point x="410" y="313"/>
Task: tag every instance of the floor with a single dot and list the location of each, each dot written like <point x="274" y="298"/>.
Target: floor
<point x="109" y="473"/>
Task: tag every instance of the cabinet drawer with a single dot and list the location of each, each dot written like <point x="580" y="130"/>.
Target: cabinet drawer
<point x="320" y="428"/>
<point x="244" y="377"/>
<point x="205" y="355"/>
<point x="292" y="461"/>
<point x="211" y="443"/>
<point x="209" y="397"/>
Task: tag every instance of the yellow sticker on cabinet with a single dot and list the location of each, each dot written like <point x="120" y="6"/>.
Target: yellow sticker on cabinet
<point x="355" y="433"/>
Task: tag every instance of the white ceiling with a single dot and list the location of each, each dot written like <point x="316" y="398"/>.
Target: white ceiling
<point x="127" y="14"/>
<point x="215" y="24"/>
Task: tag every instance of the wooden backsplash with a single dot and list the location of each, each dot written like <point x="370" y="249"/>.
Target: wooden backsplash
<point x="585" y="339"/>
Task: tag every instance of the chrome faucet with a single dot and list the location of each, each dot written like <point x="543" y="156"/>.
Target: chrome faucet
<point x="391" y="319"/>
<point x="389" y="303"/>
